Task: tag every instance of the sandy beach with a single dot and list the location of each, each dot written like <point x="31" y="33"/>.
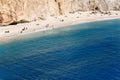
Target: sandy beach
<point x="7" y="32"/>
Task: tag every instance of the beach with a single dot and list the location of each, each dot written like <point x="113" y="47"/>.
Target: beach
<point x="11" y="31"/>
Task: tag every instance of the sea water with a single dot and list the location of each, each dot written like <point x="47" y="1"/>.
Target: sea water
<point x="89" y="51"/>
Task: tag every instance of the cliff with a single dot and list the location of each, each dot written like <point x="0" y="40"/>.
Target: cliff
<point x="28" y="10"/>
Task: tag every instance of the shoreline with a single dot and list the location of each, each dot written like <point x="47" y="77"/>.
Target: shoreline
<point x="53" y="22"/>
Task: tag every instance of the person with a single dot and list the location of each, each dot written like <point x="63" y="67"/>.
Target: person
<point x="47" y="25"/>
<point x="23" y="29"/>
<point x="7" y="31"/>
<point x="20" y="31"/>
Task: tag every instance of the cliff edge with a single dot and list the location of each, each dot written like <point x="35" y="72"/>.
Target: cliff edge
<point x="12" y="11"/>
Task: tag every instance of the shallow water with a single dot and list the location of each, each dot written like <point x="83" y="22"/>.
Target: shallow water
<point x="89" y="51"/>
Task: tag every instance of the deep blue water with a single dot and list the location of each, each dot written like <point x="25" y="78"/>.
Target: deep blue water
<point x="89" y="51"/>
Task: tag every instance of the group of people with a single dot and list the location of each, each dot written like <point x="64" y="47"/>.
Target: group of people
<point x="25" y="28"/>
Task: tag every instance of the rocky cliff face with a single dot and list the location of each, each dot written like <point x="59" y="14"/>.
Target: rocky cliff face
<point x="16" y="10"/>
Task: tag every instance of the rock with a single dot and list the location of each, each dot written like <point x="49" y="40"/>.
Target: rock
<point x="29" y="10"/>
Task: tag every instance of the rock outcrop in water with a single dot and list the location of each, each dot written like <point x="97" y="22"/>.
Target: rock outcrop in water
<point x="27" y="10"/>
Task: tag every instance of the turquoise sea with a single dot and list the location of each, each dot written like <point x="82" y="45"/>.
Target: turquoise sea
<point x="88" y="51"/>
